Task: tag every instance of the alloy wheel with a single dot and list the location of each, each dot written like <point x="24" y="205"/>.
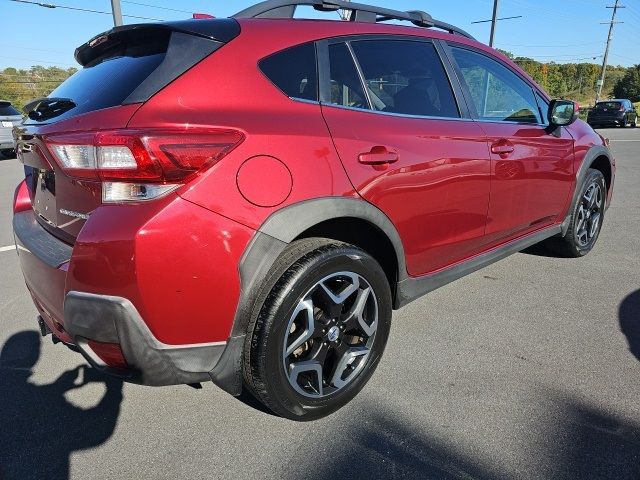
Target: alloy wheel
<point x="589" y="214"/>
<point x="330" y="334"/>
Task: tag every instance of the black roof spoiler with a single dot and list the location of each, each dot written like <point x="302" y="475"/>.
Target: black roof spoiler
<point x="359" y="12"/>
<point x="220" y="29"/>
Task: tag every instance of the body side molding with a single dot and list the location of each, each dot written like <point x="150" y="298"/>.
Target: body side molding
<point x="288" y="223"/>
<point x="278" y="230"/>
<point x="413" y="288"/>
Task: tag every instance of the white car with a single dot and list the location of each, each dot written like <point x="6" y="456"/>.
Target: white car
<point x="9" y="117"/>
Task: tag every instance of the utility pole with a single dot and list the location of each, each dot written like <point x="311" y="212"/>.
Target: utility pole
<point x="493" y="22"/>
<point x="117" y="12"/>
<point x="606" y="51"/>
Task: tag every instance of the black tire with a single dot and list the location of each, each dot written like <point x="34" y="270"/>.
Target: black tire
<point x="298" y="270"/>
<point x="624" y="123"/>
<point x="572" y="244"/>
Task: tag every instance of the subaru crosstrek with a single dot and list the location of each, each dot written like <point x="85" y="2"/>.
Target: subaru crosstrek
<point x="246" y="200"/>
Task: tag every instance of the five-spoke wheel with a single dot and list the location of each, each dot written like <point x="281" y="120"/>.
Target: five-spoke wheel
<point x="589" y="213"/>
<point x="585" y="221"/>
<point x="320" y="331"/>
<point x="330" y="334"/>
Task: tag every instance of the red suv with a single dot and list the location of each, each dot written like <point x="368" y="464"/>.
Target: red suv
<point x="246" y="200"/>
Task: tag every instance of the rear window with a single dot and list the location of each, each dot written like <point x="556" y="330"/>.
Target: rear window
<point x="607" y="105"/>
<point x="107" y="83"/>
<point x="7" y="110"/>
<point x="294" y="71"/>
<point x="130" y="66"/>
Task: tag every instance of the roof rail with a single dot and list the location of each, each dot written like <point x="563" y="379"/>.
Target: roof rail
<point x="359" y="12"/>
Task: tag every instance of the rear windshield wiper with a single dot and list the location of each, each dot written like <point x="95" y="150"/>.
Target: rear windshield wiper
<point x="48" y="107"/>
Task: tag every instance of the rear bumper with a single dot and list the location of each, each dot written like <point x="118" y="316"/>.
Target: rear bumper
<point x="163" y="289"/>
<point x="111" y="319"/>
<point x="605" y="120"/>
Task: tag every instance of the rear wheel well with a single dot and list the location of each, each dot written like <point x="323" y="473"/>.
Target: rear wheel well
<point x="363" y="235"/>
<point x="602" y="164"/>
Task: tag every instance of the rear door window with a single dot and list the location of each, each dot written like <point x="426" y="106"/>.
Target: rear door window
<point x="294" y="71"/>
<point x="405" y="77"/>
<point x="497" y="93"/>
<point x="346" y="86"/>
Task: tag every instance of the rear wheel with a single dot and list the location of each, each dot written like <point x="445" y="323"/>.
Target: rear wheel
<point x="321" y="328"/>
<point x="586" y="218"/>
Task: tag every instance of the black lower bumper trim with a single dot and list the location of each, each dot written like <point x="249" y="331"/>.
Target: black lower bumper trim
<point x="116" y="320"/>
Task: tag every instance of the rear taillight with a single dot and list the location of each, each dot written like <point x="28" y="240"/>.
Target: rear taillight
<point x="140" y="165"/>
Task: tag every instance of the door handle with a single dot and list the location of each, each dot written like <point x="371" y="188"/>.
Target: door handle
<point x="378" y="155"/>
<point x="502" y="147"/>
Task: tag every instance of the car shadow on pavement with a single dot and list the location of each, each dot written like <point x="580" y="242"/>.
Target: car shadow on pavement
<point x="629" y="316"/>
<point x="572" y="441"/>
<point x="39" y="428"/>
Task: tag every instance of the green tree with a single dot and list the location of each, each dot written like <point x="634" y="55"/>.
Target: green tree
<point x="629" y="85"/>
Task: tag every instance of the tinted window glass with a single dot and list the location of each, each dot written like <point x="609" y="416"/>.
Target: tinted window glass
<point x="107" y="83"/>
<point x="607" y="106"/>
<point x="405" y="77"/>
<point x="294" y="71"/>
<point x="346" y="87"/>
<point x="7" y="110"/>
<point x="498" y="94"/>
<point x="543" y="105"/>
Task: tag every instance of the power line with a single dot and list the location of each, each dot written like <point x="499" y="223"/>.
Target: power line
<point x="549" y="46"/>
<point x="86" y="10"/>
<point x="501" y="18"/>
<point x="157" y="6"/>
<point x="26" y="82"/>
<point x="39" y="61"/>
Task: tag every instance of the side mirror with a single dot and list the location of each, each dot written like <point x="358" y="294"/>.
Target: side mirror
<point x="563" y="112"/>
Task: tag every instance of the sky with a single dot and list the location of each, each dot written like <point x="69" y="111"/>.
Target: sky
<point x="549" y="30"/>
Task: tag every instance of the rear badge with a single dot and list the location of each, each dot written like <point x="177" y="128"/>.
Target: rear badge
<point x="69" y="213"/>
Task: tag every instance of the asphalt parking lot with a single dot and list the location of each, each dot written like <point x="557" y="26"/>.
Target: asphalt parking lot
<point x="526" y="369"/>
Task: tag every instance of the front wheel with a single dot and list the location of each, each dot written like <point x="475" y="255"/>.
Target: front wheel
<point x="320" y="330"/>
<point x="586" y="218"/>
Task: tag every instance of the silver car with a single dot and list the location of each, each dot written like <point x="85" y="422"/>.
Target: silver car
<point x="9" y="117"/>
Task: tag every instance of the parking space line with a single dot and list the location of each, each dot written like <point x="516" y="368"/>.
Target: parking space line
<point x="7" y="248"/>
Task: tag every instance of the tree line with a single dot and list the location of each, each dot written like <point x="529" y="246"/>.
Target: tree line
<point x="576" y="81"/>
